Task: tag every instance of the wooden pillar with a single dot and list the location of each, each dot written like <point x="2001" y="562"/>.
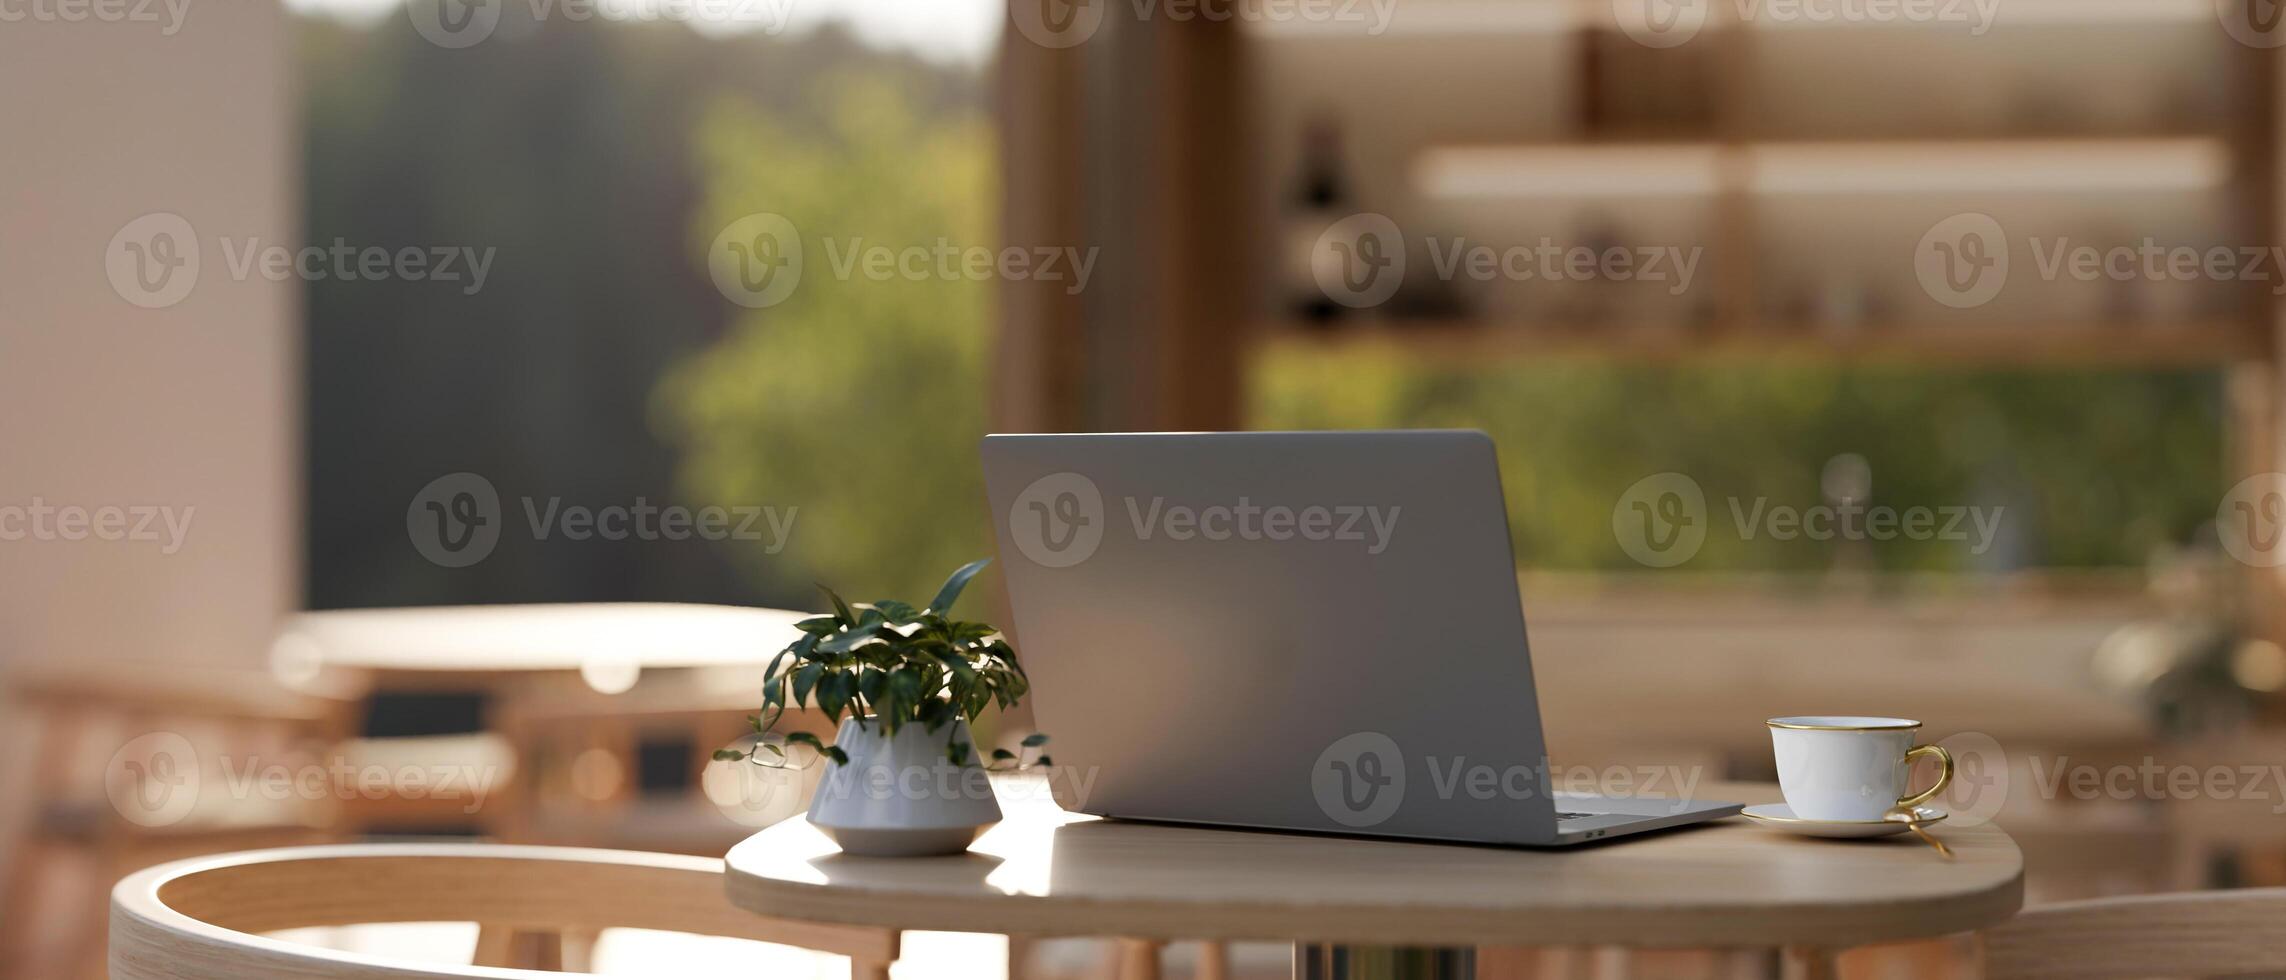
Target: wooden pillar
<point x="1037" y="365"/>
<point x="2254" y="385"/>
<point x="1127" y="144"/>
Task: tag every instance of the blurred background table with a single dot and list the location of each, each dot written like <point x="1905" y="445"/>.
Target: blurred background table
<point x="595" y="718"/>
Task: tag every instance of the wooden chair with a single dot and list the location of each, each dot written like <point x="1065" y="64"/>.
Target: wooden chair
<point x="2197" y="934"/>
<point x="93" y="733"/>
<point x="197" y="919"/>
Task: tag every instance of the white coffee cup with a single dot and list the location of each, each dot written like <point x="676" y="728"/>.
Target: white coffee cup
<point x="1847" y="767"/>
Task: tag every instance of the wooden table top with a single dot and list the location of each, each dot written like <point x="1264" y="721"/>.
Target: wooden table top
<point x="603" y="637"/>
<point x="1043" y="871"/>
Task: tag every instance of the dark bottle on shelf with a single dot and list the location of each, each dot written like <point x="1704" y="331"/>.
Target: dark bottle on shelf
<point x="1319" y="198"/>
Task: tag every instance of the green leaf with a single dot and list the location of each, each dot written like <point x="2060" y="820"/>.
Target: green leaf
<point x="1035" y="740"/>
<point x="846" y="642"/>
<point x="840" y="608"/>
<point x="1002" y="755"/>
<point x="1044" y="761"/>
<point x="906" y="685"/>
<point x="728" y="755"/>
<point x="829" y="697"/>
<point x="950" y="593"/>
<point x="869" y="684"/>
<point x="805" y="679"/>
<point x="956" y="663"/>
<point x="957" y="752"/>
<point x="897" y="612"/>
<point x="819" y="625"/>
<point x="805" y="738"/>
<point x="839" y="757"/>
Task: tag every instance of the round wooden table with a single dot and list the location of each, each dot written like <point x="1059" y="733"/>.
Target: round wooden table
<point x="1046" y="872"/>
<point x="609" y="643"/>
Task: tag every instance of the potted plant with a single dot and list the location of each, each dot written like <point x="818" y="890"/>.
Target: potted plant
<point x="903" y="776"/>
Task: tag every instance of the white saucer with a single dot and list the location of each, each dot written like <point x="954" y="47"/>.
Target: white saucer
<point x="1778" y="816"/>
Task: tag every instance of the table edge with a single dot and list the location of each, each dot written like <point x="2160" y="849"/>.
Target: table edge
<point x="1824" y="924"/>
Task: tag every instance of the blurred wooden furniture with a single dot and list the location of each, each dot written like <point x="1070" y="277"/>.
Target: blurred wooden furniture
<point x="2013" y="669"/>
<point x="198" y="919"/>
<point x="608" y="643"/>
<point x="2203" y="934"/>
<point x="487" y="653"/>
<point x="135" y="764"/>
<point x="1049" y="872"/>
<point x="632" y="769"/>
<point x="2231" y="831"/>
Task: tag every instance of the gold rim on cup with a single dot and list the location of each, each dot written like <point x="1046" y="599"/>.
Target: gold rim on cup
<point x="1896" y="724"/>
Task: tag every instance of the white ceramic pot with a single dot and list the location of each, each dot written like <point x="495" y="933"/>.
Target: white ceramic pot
<point x="899" y="796"/>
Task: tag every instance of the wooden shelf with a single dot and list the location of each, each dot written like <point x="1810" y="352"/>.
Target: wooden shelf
<point x="2063" y="342"/>
<point x="1777" y="167"/>
<point x="1525" y="17"/>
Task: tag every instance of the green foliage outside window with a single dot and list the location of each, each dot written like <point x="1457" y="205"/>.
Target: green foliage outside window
<point x="2091" y="468"/>
<point x="858" y="400"/>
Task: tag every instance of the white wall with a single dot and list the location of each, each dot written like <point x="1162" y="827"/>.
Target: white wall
<point x="192" y="407"/>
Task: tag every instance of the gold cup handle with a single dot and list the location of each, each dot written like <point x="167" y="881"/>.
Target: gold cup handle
<point x="1944" y="775"/>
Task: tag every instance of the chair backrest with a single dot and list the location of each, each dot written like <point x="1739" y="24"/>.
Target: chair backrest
<point x="196" y="919"/>
<point x="2179" y="934"/>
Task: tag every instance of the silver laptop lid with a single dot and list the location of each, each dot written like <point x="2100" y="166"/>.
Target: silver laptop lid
<point x="1314" y="630"/>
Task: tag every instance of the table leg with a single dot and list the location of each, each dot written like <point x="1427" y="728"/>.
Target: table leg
<point x="1809" y="963"/>
<point x="1138" y="959"/>
<point x="1330" y="961"/>
<point x="1214" y="960"/>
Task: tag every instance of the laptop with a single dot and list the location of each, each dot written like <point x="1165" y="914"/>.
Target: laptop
<point x="1300" y="631"/>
